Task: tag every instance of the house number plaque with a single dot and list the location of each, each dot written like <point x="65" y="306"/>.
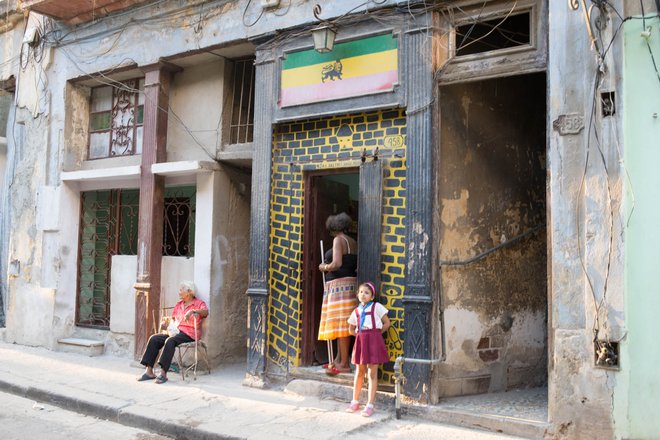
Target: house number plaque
<point x="571" y="123"/>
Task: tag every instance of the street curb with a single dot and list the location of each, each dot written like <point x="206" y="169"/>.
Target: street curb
<point x="169" y="429"/>
<point x="120" y="415"/>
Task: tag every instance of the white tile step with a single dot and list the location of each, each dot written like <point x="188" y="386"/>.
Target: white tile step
<point x="89" y="347"/>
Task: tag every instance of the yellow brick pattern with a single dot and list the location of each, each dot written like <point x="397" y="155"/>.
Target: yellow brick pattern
<point x="333" y="142"/>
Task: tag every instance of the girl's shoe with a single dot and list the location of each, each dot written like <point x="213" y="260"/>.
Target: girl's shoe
<point x="368" y="411"/>
<point x="353" y="407"/>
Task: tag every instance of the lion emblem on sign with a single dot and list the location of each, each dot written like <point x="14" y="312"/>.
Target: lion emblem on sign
<point x="331" y="71"/>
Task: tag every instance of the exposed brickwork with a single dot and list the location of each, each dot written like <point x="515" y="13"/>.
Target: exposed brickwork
<point x="334" y="142"/>
<point x="489" y="355"/>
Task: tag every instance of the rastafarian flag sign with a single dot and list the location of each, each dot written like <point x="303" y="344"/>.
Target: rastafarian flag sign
<point x="354" y="68"/>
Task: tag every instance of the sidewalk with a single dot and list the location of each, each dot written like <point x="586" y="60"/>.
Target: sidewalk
<point x="215" y="406"/>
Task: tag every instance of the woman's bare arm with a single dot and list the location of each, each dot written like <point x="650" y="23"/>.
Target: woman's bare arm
<point x="337" y="253"/>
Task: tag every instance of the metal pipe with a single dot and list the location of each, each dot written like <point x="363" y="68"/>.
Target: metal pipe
<point x="398" y="376"/>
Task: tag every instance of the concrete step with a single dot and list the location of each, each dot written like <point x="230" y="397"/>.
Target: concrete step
<point x="87" y="347"/>
<point x="490" y="422"/>
<point x="521" y="413"/>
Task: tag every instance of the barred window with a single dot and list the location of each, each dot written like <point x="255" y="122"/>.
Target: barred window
<point x="241" y="126"/>
<point x="179" y="222"/>
<point x="116" y="118"/>
<point x="109" y="226"/>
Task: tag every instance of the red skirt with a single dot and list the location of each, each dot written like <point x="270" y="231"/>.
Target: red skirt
<point x="369" y="348"/>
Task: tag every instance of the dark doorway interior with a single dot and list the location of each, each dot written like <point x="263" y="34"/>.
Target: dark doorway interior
<point x="493" y="252"/>
<point x="326" y="193"/>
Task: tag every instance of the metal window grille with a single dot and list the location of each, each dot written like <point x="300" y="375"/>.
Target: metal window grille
<point x="116" y="119"/>
<point x="241" y="127"/>
<point x="108" y="226"/>
<point x="179" y="222"/>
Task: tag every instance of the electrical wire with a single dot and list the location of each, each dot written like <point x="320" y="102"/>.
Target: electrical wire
<point x="648" y="45"/>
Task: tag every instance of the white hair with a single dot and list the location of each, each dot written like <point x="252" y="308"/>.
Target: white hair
<point x="187" y="285"/>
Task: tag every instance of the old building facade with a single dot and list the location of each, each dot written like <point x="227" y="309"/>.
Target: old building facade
<point x="492" y="154"/>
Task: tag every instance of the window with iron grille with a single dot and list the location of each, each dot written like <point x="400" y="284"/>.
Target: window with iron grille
<point x="116" y="118"/>
<point x="109" y="226"/>
<point x="241" y="125"/>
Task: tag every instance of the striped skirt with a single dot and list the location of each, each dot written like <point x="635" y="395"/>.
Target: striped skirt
<point x="339" y="301"/>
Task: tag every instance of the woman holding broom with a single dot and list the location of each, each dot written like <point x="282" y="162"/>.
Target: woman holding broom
<point x="340" y="274"/>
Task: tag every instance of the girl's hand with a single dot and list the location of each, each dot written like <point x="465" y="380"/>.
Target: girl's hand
<point x="386" y="323"/>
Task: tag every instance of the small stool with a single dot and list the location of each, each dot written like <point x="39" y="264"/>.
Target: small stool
<point x="199" y="348"/>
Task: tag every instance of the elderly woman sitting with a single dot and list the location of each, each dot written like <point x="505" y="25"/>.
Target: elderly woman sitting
<point x="187" y="314"/>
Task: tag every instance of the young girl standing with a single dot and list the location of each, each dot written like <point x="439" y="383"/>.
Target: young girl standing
<point x="367" y="323"/>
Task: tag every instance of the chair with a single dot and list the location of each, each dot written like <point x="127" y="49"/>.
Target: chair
<point x="200" y="352"/>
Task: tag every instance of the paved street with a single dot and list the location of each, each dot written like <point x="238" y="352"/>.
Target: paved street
<point x="22" y="418"/>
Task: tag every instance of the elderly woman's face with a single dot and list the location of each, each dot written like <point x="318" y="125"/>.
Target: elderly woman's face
<point x="185" y="294"/>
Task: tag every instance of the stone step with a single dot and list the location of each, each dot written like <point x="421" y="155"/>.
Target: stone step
<point x="87" y="347"/>
<point x="495" y="423"/>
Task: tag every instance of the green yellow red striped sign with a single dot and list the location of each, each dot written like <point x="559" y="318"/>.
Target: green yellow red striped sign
<point x="354" y="68"/>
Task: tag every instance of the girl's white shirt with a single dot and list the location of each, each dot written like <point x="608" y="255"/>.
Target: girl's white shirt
<point x="379" y="313"/>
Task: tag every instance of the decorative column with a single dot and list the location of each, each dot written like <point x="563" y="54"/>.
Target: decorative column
<point x="265" y="90"/>
<point x="150" y="226"/>
<point x="417" y="299"/>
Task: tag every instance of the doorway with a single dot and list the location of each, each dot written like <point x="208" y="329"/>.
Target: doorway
<point x="327" y="192"/>
<point x="492" y="233"/>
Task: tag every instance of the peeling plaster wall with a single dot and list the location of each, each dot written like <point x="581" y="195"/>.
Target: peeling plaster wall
<point x="25" y="292"/>
<point x="51" y="137"/>
<point x="492" y="189"/>
<point x="10" y="46"/>
<point x="585" y="222"/>
<point x="221" y="265"/>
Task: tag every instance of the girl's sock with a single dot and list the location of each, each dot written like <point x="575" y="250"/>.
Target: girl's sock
<point x="353" y="402"/>
<point x="369" y="405"/>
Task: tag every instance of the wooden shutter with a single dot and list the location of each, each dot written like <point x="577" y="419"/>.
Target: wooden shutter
<point x="369" y="223"/>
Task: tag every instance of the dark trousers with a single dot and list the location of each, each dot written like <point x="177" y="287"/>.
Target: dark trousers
<point x="168" y="344"/>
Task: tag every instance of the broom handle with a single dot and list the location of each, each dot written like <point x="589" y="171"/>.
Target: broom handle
<point x="331" y="356"/>
<point x="322" y="261"/>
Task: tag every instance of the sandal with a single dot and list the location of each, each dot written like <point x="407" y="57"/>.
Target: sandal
<point x="144" y="377"/>
<point x="161" y="379"/>
<point x="332" y="371"/>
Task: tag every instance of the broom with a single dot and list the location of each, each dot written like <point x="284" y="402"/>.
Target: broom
<point x="331" y="357"/>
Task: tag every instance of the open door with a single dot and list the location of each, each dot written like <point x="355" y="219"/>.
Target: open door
<point x="369" y="228"/>
<point x="358" y="192"/>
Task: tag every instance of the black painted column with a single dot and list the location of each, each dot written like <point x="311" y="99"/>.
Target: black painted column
<point x="265" y="90"/>
<point x="417" y="299"/>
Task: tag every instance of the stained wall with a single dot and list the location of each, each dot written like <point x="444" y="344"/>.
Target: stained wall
<point x="491" y="202"/>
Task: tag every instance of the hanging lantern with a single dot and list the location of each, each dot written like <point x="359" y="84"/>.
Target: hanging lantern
<point x="324" y="38"/>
